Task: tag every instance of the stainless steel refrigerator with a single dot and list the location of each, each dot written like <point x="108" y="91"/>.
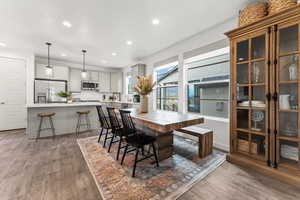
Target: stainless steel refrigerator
<point x="46" y="91"/>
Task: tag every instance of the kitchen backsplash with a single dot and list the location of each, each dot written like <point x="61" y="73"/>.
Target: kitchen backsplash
<point x="89" y="95"/>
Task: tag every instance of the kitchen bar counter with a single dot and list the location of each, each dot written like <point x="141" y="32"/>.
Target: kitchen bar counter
<point x="65" y="119"/>
<point x="53" y="105"/>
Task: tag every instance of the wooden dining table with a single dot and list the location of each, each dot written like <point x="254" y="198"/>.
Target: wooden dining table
<point x="161" y="124"/>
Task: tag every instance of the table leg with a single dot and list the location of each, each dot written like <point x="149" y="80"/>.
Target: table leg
<point x="163" y="144"/>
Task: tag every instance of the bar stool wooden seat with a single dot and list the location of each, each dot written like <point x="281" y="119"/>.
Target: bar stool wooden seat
<point x="80" y="123"/>
<point x="42" y="116"/>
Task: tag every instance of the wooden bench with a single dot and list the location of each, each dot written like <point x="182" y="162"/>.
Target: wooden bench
<point x="205" y="137"/>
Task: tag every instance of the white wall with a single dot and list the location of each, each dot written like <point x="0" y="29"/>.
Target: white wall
<point x="206" y="41"/>
<point x="29" y="58"/>
<point x="43" y="60"/>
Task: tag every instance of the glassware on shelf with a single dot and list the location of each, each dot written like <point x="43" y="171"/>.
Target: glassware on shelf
<point x="284" y="102"/>
<point x="293" y="69"/>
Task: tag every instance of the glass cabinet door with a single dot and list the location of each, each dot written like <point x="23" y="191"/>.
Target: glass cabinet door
<point x="288" y="142"/>
<point x="251" y="106"/>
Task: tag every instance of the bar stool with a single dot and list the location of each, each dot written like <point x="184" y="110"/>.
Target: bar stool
<point x="42" y="116"/>
<point x="83" y="114"/>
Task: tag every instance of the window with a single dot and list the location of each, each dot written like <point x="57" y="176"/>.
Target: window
<point x="208" y="86"/>
<point x="129" y="85"/>
<point x="167" y="88"/>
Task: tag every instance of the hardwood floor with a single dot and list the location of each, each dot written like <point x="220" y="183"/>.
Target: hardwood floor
<point x="55" y="169"/>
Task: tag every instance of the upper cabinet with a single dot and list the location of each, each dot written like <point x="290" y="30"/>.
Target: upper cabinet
<point x="116" y="79"/>
<point x="59" y="72"/>
<point x="75" y="80"/>
<point x="93" y="76"/>
<point x="104" y="81"/>
<point x="137" y="70"/>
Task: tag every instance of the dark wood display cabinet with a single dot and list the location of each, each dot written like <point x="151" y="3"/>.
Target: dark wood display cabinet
<point x="265" y="97"/>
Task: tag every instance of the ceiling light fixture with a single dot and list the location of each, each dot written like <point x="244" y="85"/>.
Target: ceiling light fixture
<point x="48" y="69"/>
<point x="2" y="44"/>
<point x="155" y="21"/>
<point x="129" y="42"/>
<point x="84" y="73"/>
<point x="67" y="24"/>
<point x="114" y="54"/>
<point x="63" y="55"/>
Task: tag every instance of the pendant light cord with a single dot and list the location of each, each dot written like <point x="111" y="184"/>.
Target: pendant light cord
<point x="48" y="44"/>
<point x="84" y="51"/>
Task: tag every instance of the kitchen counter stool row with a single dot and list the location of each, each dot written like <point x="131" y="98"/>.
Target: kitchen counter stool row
<point x="83" y="120"/>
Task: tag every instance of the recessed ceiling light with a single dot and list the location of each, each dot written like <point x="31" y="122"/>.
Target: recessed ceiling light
<point x="2" y="44"/>
<point x="129" y="42"/>
<point x="63" y="55"/>
<point x="67" y="24"/>
<point x="155" y="21"/>
<point x="104" y="61"/>
<point x="114" y="54"/>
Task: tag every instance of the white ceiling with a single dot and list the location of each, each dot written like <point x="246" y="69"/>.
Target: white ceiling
<point x="104" y="26"/>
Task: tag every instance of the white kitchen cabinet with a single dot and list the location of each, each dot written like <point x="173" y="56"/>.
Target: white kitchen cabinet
<point x="58" y="73"/>
<point x="104" y="80"/>
<point x="94" y="76"/>
<point x="40" y="71"/>
<point x="137" y="70"/>
<point x="116" y="81"/>
<point x="75" y="80"/>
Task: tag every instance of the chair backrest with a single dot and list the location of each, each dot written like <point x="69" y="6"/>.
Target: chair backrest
<point x="128" y="125"/>
<point x="102" y="118"/>
<point x="114" y="122"/>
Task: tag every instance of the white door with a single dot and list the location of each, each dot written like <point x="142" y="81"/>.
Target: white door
<point x="12" y="94"/>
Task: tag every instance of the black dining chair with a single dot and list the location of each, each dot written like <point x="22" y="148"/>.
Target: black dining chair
<point x="116" y="130"/>
<point x="136" y="141"/>
<point x="105" y="125"/>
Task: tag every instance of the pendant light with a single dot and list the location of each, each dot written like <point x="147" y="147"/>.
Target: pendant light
<point x="84" y="73"/>
<point x="49" y="69"/>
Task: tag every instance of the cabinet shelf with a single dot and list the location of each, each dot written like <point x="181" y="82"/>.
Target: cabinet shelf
<point x="289" y="82"/>
<point x="288" y="53"/>
<point x="292" y="139"/>
<point x="250" y="108"/>
<point x="250" y="131"/>
<point x="290" y="110"/>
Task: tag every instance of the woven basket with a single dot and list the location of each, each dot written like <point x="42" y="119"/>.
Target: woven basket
<point x="275" y="6"/>
<point x="253" y="13"/>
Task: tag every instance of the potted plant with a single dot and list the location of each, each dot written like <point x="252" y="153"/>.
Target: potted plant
<point x="144" y="87"/>
<point x="65" y="95"/>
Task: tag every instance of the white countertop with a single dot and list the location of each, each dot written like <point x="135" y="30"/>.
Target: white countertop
<point x="124" y="102"/>
<point x="53" y="105"/>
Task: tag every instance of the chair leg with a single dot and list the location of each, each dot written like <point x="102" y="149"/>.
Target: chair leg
<point x="105" y="138"/>
<point x="124" y="154"/>
<point x="88" y="122"/>
<point x="119" y="147"/>
<point x="100" y="135"/>
<point x="52" y="127"/>
<point x="39" y="130"/>
<point x="143" y="151"/>
<point x="155" y="155"/>
<point x="135" y="161"/>
<point x="78" y="125"/>
<point x="111" y="141"/>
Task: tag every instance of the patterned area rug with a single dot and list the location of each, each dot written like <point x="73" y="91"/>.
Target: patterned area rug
<point x="175" y="175"/>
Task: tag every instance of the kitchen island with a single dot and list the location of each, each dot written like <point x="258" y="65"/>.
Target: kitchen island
<point x="65" y="119"/>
